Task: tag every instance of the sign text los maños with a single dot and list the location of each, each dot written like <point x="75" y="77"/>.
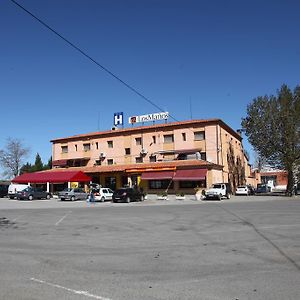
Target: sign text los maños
<point x="148" y="118"/>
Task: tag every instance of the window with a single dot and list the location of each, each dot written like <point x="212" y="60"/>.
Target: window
<point x="75" y="147"/>
<point x="154" y="139"/>
<point x="110" y="144"/>
<point x="183" y="136"/>
<point x="203" y="155"/>
<point x="152" y="158"/>
<point x="97" y="145"/>
<point x="110" y="161"/>
<point x="160" y="184"/>
<point x="138" y="141"/>
<point x="168" y="138"/>
<point x="199" y="136"/>
<point x="110" y="182"/>
<point x="127" y="151"/>
<point x="139" y="160"/>
<point x="64" y="149"/>
<point x="192" y="184"/>
<point x="86" y="147"/>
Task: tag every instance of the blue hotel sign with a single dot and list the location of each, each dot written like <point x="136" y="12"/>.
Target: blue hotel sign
<point x="118" y="118"/>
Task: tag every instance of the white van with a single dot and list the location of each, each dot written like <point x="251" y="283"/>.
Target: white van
<point x="14" y="188"/>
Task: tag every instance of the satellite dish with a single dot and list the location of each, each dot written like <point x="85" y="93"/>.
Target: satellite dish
<point x="144" y="152"/>
<point x="102" y="155"/>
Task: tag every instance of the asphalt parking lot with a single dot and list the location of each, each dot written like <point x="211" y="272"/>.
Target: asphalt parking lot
<point x="242" y="248"/>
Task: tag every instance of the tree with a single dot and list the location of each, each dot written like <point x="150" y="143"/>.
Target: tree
<point x="272" y="126"/>
<point x="259" y="162"/>
<point x="48" y="166"/>
<point x="27" y="168"/>
<point x="12" y="157"/>
<point x="38" y="164"/>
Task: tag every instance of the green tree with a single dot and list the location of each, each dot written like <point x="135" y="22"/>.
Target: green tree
<point x="272" y="126"/>
<point x="27" y="168"/>
<point x="38" y="164"/>
<point x="48" y="166"/>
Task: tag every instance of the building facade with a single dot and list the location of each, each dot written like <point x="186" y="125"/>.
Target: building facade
<point x="179" y="156"/>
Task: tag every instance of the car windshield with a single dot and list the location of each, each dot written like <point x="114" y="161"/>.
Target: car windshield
<point x="241" y="187"/>
<point x="216" y="186"/>
<point x="261" y="185"/>
<point x="67" y="190"/>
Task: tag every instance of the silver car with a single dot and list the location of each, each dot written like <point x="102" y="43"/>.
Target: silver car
<point x="73" y="194"/>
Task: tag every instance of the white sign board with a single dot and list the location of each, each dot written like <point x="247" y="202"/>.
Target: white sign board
<point x="148" y="118"/>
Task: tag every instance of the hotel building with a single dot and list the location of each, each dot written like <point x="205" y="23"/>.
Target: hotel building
<point x="177" y="157"/>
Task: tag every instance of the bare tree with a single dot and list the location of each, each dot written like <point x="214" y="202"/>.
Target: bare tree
<point x="259" y="161"/>
<point x="12" y="157"/>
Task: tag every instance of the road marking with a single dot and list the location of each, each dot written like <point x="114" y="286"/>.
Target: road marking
<point x="62" y="218"/>
<point x="84" y="293"/>
<point x="18" y="218"/>
<point x="278" y="226"/>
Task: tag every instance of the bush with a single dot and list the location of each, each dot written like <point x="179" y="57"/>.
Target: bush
<point x="163" y="194"/>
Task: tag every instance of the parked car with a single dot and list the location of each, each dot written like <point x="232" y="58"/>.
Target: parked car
<point x="3" y="190"/>
<point x="218" y="191"/>
<point x="242" y="190"/>
<point x="14" y="188"/>
<point x="31" y="193"/>
<point x="127" y="195"/>
<point x="263" y="188"/>
<point x="73" y="194"/>
<point x="103" y="194"/>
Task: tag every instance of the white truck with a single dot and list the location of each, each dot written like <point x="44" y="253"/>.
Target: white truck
<point x="218" y="191"/>
<point x="14" y="188"/>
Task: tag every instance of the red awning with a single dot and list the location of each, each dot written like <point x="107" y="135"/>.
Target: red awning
<point x="159" y="175"/>
<point x="52" y="177"/>
<point x="59" y="163"/>
<point x="190" y="175"/>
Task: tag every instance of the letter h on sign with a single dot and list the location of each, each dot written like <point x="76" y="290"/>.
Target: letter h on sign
<point x="118" y="118"/>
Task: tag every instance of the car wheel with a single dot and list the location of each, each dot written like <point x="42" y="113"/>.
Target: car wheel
<point x="102" y="199"/>
<point x="72" y="198"/>
<point x="30" y="197"/>
<point x="127" y="200"/>
<point x="48" y="196"/>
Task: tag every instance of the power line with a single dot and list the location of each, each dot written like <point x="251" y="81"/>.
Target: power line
<point x="90" y="58"/>
<point x="97" y="63"/>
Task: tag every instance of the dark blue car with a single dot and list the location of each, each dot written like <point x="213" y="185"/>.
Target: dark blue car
<point x="262" y="188"/>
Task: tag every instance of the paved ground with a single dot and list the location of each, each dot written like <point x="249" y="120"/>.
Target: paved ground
<point x="242" y="248"/>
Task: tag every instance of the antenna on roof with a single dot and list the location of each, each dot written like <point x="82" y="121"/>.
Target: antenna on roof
<point x="191" y="112"/>
<point x="98" y="120"/>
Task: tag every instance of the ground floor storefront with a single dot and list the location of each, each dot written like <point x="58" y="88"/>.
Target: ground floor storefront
<point x="174" y="177"/>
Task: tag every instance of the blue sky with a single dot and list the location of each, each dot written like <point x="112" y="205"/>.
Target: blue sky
<point x="216" y="55"/>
